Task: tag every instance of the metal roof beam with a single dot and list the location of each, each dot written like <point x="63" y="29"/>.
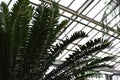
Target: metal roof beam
<point x="81" y="16"/>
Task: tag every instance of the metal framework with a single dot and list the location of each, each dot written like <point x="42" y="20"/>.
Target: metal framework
<point x="80" y="19"/>
<point x="87" y="15"/>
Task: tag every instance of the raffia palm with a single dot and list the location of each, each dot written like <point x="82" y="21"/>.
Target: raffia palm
<point x="26" y="50"/>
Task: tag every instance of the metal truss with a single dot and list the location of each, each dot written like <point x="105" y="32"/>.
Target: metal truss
<point x="79" y="14"/>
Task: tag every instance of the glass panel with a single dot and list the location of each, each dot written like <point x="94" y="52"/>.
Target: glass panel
<point x="65" y="2"/>
<point x="76" y="4"/>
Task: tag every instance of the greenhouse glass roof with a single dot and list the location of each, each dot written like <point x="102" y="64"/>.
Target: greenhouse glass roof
<point x="98" y="18"/>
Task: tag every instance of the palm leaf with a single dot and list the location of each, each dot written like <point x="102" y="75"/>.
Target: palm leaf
<point x="27" y="52"/>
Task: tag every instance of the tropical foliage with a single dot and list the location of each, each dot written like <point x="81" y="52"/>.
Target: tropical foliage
<point x="26" y="50"/>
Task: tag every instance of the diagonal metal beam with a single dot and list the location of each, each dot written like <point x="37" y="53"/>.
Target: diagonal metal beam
<point x="115" y="31"/>
<point x="85" y="18"/>
<point x="81" y="16"/>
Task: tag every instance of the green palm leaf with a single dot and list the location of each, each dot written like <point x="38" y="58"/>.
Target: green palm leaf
<point x="27" y="52"/>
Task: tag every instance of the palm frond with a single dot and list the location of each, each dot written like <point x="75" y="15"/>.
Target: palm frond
<point x="81" y="54"/>
<point x="4" y="43"/>
<point x="27" y="35"/>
